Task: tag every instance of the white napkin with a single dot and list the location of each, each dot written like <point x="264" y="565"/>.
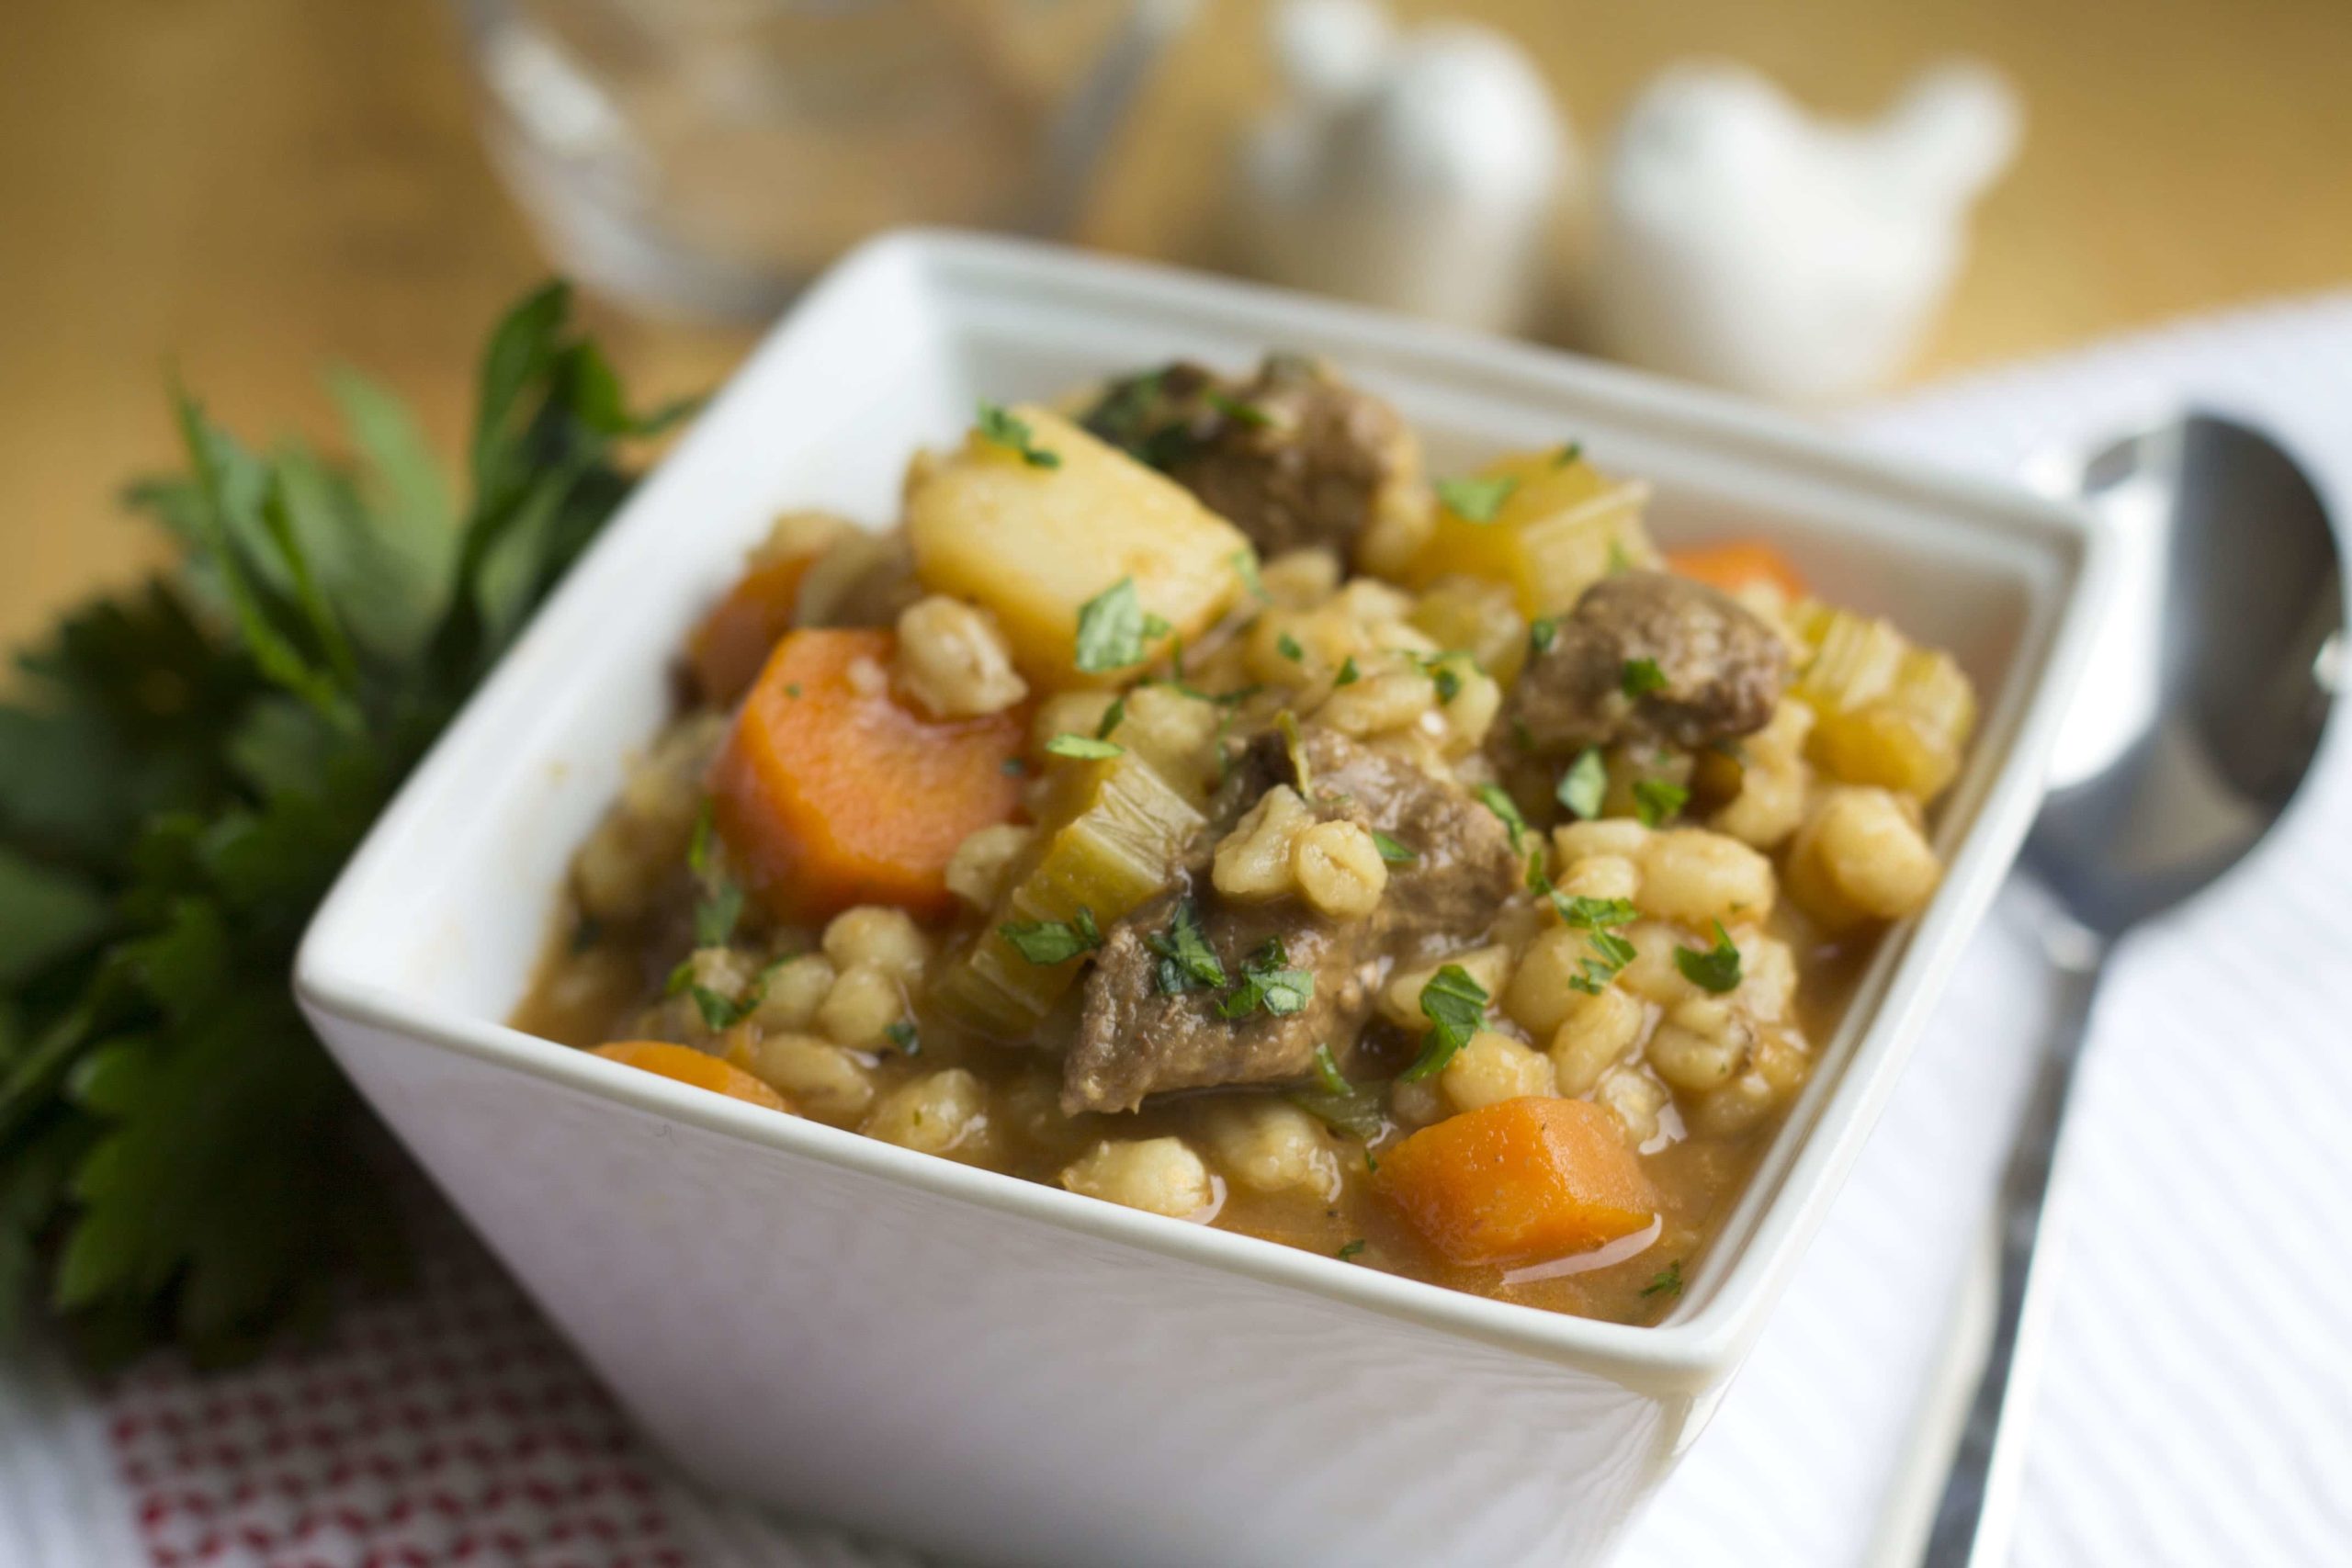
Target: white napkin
<point x="2196" y="1407"/>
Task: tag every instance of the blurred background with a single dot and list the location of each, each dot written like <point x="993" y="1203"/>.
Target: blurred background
<point x="239" y="191"/>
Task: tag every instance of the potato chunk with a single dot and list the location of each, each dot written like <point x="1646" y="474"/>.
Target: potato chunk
<point x="1031" y="543"/>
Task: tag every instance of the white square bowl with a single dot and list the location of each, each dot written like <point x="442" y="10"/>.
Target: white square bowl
<point x="1002" y="1370"/>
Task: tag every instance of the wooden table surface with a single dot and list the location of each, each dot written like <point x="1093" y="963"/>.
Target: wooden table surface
<point x="246" y="190"/>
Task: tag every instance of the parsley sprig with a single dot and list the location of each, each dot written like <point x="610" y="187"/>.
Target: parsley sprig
<point x="1113" y="629"/>
<point x="1012" y="433"/>
<point x="1455" y="1005"/>
<point x="184" y="771"/>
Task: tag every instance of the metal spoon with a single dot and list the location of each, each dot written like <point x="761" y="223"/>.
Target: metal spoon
<point x="2200" y="715"/>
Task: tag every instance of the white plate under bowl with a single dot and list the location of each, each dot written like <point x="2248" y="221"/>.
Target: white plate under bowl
<point x="1002" y="1370"/>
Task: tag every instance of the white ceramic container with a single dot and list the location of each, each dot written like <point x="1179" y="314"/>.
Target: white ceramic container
<point x="1007" y="1373"/>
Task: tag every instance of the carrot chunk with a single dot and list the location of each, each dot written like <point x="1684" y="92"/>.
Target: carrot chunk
<point x="1734" y="564"/>
<point x="1525" y="1178"/>
<point x="832" y="793"/>
<point x="727" y="651"/>
<point x="688" y="1066"/>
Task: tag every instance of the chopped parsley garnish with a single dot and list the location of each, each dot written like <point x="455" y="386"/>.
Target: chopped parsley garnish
<point x="1327" y="1073"/>
<point x="1269" y="982"/>
<point x="1344" y="1107"/>
<point x="1497" y="801"/>
<point x="792" y="688"/>
<point x="1239" y="411"/>
<point x="1012" y="767"/>
<point x="1619" y="562"/>
<point x="902" y="1035"/>
<point x="1541" y="633"/>
<point x="1477" y="500"/>
<point x="1113" y="627"/>
<point x="1349" y="674"/>
<point x="1287" y="645"/>
<point x="1657" y="800"/>
<point x="1448" y="679"/>
<point x="1391" y="851"/>
<point x="1187" y="962"/>
<point x="1585" y="784"/>
<point x="1567" y="454"/>
<point x="1054" y="941"/>
<point x="1455" y="1005"/>
<point x="1350" y="1250"/>
<point x="721" y="904"/>
<point x="1012" y="433"/>
<point x="1594" y="916"/>
<point x="1716" y="969"/>
<point x="716" y="915"/>
<point x="1666" y="1282"/>
<point x="1641" y="677"/>
<point x="1294" y="745"/>
<point x="1112" y="716"/>
<point x="717" y="1013"/>
<point x="1245" y="562"/>
<point x="1084" y="746"/>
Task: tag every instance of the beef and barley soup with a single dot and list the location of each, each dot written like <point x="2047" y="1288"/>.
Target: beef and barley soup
<point x="1193" y="804"/>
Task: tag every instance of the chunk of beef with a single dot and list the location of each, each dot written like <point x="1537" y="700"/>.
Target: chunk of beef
<point x="1137" y="1038"/>
<point x="1719" y="670"/>
<point x="1292" y="457"/>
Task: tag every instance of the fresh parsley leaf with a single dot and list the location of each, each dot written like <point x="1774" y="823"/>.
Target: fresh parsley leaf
<point x="1349" y="674"/>
<point x="1187" y="962"/>
<point x="1112" y="716"/>
<point x="1585" y="785"/>
<point x="1455" y="1005"/>
<point x="1497" y="800"/>
<point x="1240" y="412"/>
<point x="1657" y="800"/>
<point x="1327" y="1073"/>
<point x="1269" y="983"/>
<point x="1541" y="633"/>
<point x="1593" y="914"/>
<point x="1349" y="1249"/>
<point x="1640" y="677"/>
<point x="1448" y="681"/>
<point x="1391" y="851"/>
<point x="1667" y="1282"/>
<point x="1619" y="562"/>
<point x="1477" y="500"/>
<point x="902" y="1035"/>
<point x="1008" y="430"/>
<point x="1350" y="1109"/>
<point x="194" y="760"/>
<point x="1295" y="749"/>
<point x="1287" y="645"/>
<point x="1054" y="941"/>
<point x="1083" y="746"/>
<point x="1716" y="969"/>
<point x="1245" y="564"/>
<point x="1113" y="629"/>
<point x="1567" y="454"/>
<point x="720" y="1012"/>
<point x="716" y="915"/>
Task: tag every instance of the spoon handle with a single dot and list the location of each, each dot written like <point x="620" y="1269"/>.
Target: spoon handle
<point x="1982" y="1482"/>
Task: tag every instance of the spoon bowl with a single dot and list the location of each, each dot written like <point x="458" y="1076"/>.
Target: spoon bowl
<point x="2213" y="684"/>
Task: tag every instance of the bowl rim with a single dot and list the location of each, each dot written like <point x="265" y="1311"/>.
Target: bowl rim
<point x="1694" y="1347"/>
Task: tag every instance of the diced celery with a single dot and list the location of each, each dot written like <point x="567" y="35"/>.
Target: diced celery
<point x="1118" y="849"/>
<point x="1890" y="713"/>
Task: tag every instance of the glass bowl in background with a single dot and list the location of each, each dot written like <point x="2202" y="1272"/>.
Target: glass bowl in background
<point x="707" y="157"/>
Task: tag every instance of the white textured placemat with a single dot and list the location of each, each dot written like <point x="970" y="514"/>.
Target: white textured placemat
<point x="2196" y="1403"/>
<point x="2198" y="1407"/>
